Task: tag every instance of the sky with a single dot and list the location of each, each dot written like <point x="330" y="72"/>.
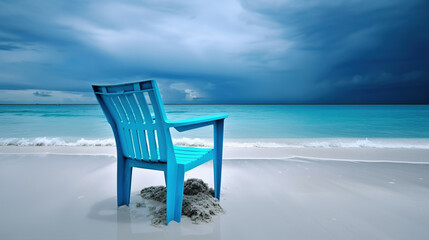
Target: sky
<point x="217" y="52"/>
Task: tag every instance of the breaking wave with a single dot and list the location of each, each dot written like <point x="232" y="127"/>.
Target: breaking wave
<point x="366" y="143"/>
<point x="45" y="141"/>
<point x="242" y="143"/>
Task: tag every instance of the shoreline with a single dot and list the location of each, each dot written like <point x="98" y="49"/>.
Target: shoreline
<point x="231" y="153"/>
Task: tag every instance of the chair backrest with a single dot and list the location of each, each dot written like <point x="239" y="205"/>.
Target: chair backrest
<point x="139" y="130"/>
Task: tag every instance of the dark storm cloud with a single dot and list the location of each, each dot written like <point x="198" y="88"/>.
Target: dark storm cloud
<point x="362" y="51"/>
<point x="7" y="47"/>
<point x="221" y="52"/>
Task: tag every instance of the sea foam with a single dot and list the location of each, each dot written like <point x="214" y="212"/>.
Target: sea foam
<point x="56" y="141"/>
<point x="366" y="143"/>
<point x="241" y="143"/>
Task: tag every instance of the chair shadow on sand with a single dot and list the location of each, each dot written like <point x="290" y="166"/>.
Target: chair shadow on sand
<point x="135" y="223"/>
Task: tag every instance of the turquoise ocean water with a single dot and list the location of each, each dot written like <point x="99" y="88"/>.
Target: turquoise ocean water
<point x="379" y="126"/>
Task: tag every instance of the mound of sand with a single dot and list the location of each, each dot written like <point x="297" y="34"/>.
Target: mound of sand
<point x="198" y="202"/>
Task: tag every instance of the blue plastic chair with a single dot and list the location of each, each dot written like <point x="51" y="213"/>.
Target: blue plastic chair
<point x="143" y="140"/>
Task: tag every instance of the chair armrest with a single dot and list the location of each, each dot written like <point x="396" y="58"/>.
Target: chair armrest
<point x="192" y="123"/>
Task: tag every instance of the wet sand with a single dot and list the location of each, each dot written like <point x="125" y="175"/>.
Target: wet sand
<point x="61" y="193"/>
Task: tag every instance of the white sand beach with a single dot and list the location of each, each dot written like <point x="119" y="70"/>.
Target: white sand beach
<point x="267" y="193"/>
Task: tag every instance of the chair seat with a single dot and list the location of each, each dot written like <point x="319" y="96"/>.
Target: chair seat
<point x="188" y="157"/>
<point x="191" y="157"/>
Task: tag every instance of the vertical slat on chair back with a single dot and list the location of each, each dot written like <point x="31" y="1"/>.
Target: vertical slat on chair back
<point x="141" y="131"/>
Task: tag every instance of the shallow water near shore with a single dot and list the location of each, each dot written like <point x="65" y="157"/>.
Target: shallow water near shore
<point x="338" y="126"/>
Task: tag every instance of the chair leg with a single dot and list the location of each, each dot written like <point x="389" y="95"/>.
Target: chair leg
<point x="127" y="185"/>
<point x="165" y="177"/>
<point x="179" y="193"/>
<point x="217" y="165"/>
<point x="217" y="161"/>
<point x="171" y="195"/>
<point x="175" y="195"/>
<point x="124" y="175"/>
<point x="120" y="181"/>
